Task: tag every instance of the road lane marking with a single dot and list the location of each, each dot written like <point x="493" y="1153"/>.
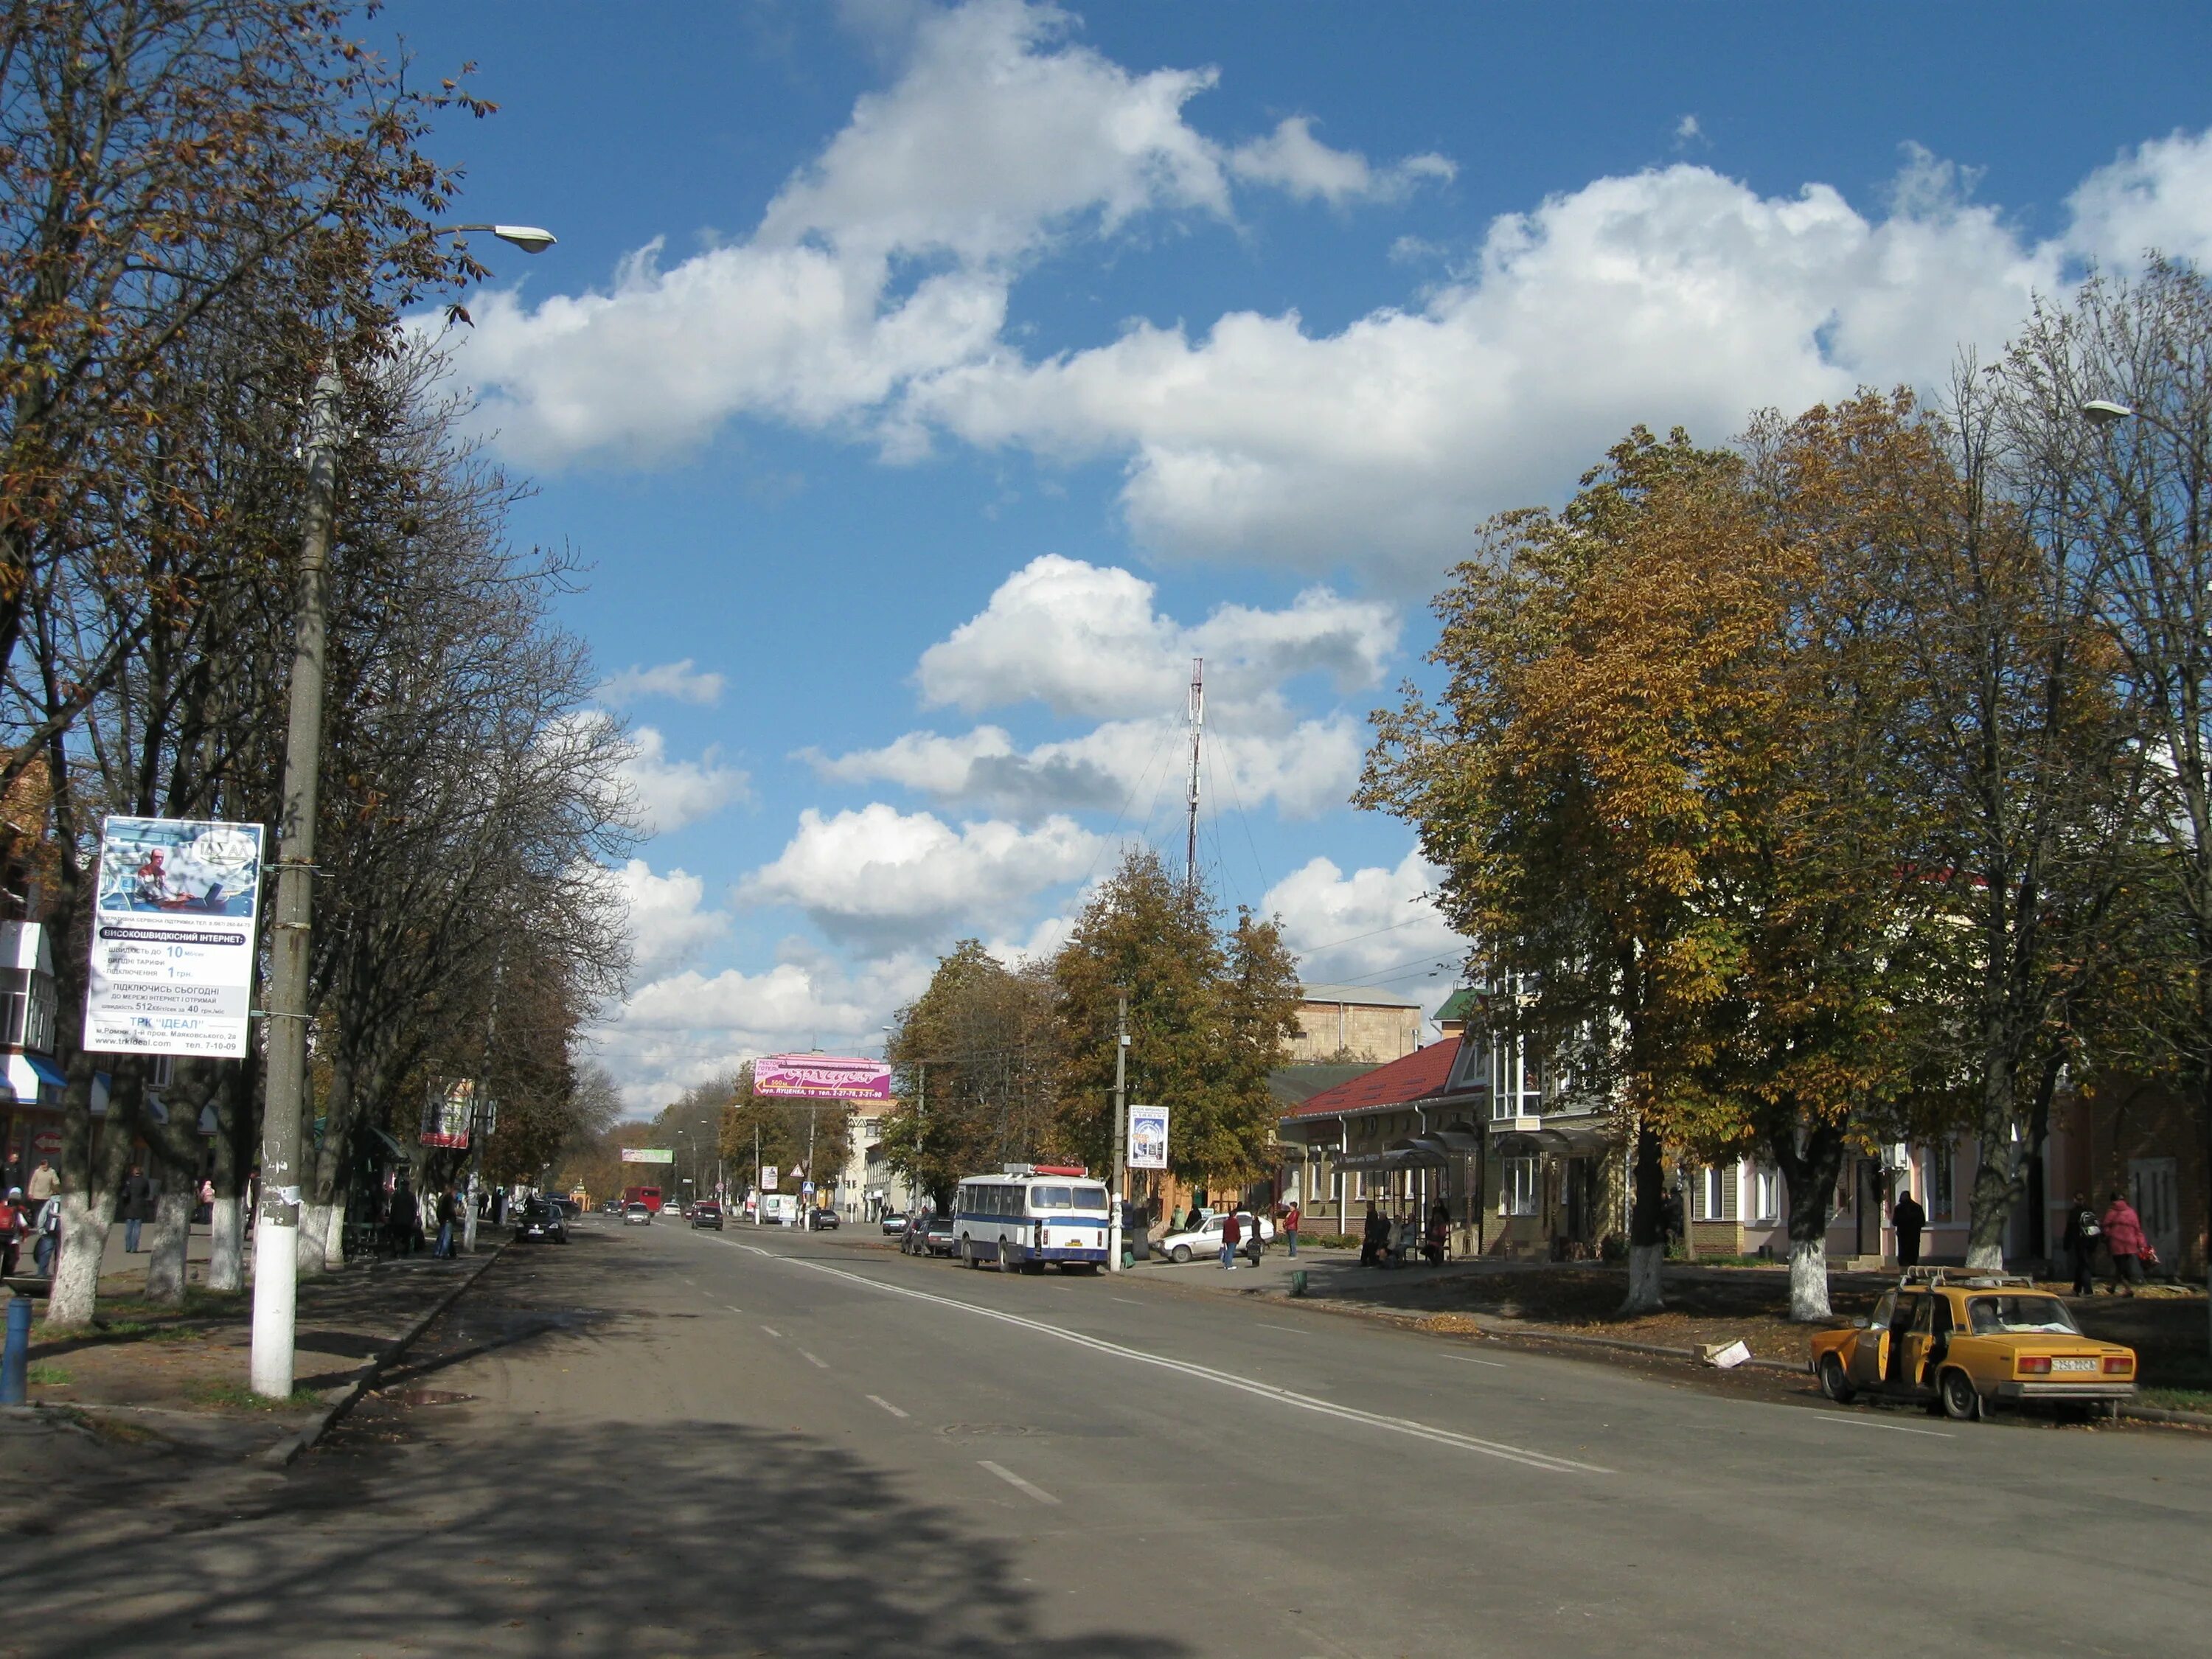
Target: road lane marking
<point x="1869" y="1423"/>
<point x="811" y="1360"/>
<point x="1017" y="1483"/>
<point x="1292" y="1329"/>
<point x="772" y="1330"/>
<point x="755" y="1249"/>
<point x="1405" y="1425"/>
<point x="1469" y="1359"/>
<point x="886" y="1404"/>
<point x="733" y="1310"/>
<point x="1131" y="1300"/>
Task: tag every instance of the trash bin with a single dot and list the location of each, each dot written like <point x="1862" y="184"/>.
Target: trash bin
<point x="1298" y="1281"/>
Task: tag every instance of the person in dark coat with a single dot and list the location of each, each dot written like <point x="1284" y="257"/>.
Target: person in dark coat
<point x="1374" y="1238"/>
<point x="2082" y="1232"/>
<point x="135" y="1206"/>
<point x="1910" y="1221"/>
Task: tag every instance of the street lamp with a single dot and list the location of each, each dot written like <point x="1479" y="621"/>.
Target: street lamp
<point x="2103" y="412"/>
<point x="529" y="238"/>
<point x="277" y="1226"/>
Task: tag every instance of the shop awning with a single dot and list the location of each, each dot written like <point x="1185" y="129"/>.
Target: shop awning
<point x="1569" y="1140"/>
<point x="1391" y="1157"/>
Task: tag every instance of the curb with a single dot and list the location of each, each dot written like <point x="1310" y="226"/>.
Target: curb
<point x="285" y="1451"/>
<point x="2160" y="1414"/>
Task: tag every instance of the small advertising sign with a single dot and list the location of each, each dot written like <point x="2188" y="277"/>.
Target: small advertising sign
<point x="649" y="1155"/>
<point x="821" y="1077"/>
<point x="173" y="937"/>
<point x="768" y="1179"/>
<point x="446" y="1113"/>
<point x="1148" y="1137"/>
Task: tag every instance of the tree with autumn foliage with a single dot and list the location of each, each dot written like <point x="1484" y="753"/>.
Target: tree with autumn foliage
<point x="1211" y="1013"/>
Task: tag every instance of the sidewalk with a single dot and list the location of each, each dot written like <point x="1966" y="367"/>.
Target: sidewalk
<point x="159" y="1395"/>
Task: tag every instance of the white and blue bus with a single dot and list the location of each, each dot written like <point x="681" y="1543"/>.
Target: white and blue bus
<point x="1030" y="1214"/>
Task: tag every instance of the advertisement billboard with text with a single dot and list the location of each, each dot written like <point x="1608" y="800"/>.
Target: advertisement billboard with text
<point x="821" y="1077"/>
<point x="173" y="937"/>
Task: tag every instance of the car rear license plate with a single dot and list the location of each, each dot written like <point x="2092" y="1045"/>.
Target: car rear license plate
<point x="2073" y="1365"/>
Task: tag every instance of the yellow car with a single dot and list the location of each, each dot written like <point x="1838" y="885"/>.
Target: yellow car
<point x="1969" y="1341"/>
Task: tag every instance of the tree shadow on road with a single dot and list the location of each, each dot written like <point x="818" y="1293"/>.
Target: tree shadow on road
<point x="615" y="1539"/>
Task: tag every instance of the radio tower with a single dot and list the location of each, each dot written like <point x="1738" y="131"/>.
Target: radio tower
<point x="1197" y="730"/>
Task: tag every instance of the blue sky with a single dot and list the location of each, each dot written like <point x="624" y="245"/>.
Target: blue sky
<point x="926" y="385"/>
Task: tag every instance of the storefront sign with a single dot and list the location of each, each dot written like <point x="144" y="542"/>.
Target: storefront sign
<point x="173" y="937"/>
<point x="1148" y="1137"/>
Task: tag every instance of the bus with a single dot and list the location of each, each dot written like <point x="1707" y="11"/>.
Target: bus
<point x="1030" y="1214"/>
<point x="648" y="1196"/>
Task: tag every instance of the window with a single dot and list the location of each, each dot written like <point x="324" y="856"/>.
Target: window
<point x="1051" y="1198"/>
<point x="1089" y="1197"/>
<point x="1938" y="1177"/>
<point x="1766" y="1193"/>
<point x="1716" y="1193"/>
<point x="1517" y="1190"/>
<point x="1516" y="1081"/>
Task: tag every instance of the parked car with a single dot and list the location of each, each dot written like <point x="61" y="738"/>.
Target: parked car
<point x="634" y="1214"/>
<point x="1965" y="1342"/>
<point x="1204" y="1241"/>
<point x="567" y="1206"/>
<point x="821" y="1220"/>
<point x="540" y="1217"/>
<point x="893" y="1222"/>
<point x="707" y="1214"/>
<point x="933" y="1236"/>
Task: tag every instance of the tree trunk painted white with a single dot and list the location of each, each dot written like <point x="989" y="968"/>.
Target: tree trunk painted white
<point x="76" y="1291"/>
<point x="227" y="1245"/>
<point x="1646" y="1293"/>
<point x="1808" y="1279"/>
<point x="334" y="1237"/>
<point x="314" y="1229"/>
<point x="172" y="1226"/>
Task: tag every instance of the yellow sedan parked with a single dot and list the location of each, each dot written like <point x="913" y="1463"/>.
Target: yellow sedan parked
<point x="1967" y="1342"/>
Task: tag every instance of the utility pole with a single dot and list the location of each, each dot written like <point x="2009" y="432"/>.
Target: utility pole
<point x="756" y="1175"/>
<point x="277" y="1227"/>
<point x="1120" y="1134"/>
<point x="1197" y="730"/>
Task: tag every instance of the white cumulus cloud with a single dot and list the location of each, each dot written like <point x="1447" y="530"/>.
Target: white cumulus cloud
<point x="679" y="682"/>
<point x="669" y="794"/>
<point x="877" y="876"/>
<point x="669" y="924"/>
<point x="1293" y="160"/>
<point x="1376" y="923"/>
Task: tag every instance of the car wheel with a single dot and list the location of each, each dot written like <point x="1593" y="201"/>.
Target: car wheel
<point x="1834" y="1382"/>
<point x="1181" y="1254"/>
<point x="1962" y="1402"/>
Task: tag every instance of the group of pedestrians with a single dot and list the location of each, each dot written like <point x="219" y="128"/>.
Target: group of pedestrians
<point x="2120" y="1231"/>
<point x="1384" y="1243"/>
<point x="437" y="1219"/>
<point x="32" y="1211"/>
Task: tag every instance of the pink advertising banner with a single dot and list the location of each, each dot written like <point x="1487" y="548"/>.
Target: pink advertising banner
<point x="821" y="1077"/>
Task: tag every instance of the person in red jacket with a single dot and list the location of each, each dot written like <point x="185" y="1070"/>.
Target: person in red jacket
<point x="2123" y="1237"/>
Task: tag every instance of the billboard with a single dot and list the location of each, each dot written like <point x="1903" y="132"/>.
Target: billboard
<point x="821" y="1077"/>
<point x="649" y="1155"/>
<point x="768" y="1179"/>
<point x="173" y="937"/>
<point x="1148" y="1137"/>
<point x="446" y="1113"/>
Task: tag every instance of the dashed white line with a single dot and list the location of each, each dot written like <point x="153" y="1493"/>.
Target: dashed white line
<point x="811" y="1360"/>
<point x="1017" y="1483"/>
<point x="772" y="1330"/>
<point x="1469" y="1359"/>
<point x="1131" y="1300"/>
<point x="879" y="1400"/>
<point x="733" y="1310"/>
<point x="1292" y="1329"/>
<point x="1511" y="1454"/>
<point x="1894" y="1428"/>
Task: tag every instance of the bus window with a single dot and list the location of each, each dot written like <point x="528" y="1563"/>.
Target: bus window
<point x="1050" y="1198"/>
<point x="1089" y="1198"/>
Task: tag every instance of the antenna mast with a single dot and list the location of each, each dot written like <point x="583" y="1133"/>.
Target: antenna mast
<point x="1197" y="730"/>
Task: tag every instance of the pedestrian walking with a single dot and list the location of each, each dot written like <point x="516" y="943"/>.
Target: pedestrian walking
<point x="1255" y="1237"/>
<point x="1176" y="1221"/>
<point x="2083" y="1231"/>
<point x="1290" y="1226"/>
<point x="49" y="1228"/>
<point x="1910" y="1221"/>
<point x="136" y="1207"/>
<point x="43" y="1182"/>
<point x="448" y="1212"/>
<point x="1229" y="1237"/>
<point x="1374" y="1237"/>
<point x="399" y="1225"/>
<point x="2123" y="1237"/>
<point x="14" y="1223"/>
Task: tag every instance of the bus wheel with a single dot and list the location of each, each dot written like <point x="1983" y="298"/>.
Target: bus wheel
<point x="967" y="1252"/>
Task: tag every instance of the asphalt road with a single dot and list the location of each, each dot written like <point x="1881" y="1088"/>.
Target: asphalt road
<point x="676" y="1443"/>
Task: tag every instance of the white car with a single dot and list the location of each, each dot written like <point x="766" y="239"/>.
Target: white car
<point x="1204" y="1241"/>
<point x="636" y="1214"/>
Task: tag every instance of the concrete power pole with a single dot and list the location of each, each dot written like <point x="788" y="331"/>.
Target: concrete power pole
<point x="1197" y="730"/>
<point x="1120" y="1135"/>
<point x="277" y="1226"/>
